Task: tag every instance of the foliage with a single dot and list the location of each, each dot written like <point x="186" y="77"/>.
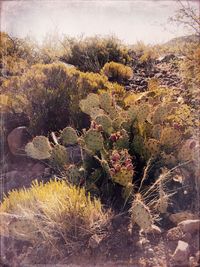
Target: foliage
<point x="151" y="126"/>
<point x="91" y="54"/>
<point x="117" y="72"/>
<point x="16" y="54"/>
<point x="58" y="215"/>
<point x="188" y="16"/>
<point x="53" y="93"/>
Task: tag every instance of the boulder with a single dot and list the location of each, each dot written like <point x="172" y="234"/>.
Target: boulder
<point x="190" y="226"/>
<point x="181" y="253"/>
<point x="17" y="139"/>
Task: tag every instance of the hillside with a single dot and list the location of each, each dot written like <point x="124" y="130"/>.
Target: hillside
<point x="100" y="151"/>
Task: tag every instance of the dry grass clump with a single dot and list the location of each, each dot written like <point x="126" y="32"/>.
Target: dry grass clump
<point x="56" y="217"/>
<point x="117" y="72"/>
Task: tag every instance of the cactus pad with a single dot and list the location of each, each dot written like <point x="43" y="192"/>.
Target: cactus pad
<point x="93" y="140"/>
<point x="152" y="146"/>
<point x="106" y="123"/>
<point x="39" y="148"/>
<point x="160" y="114"/>
<point x="170" y="137"/>
<point x="143" y="112"/>
<point x="141" y="214"/>
<point x="59" y="156"/>
<point x="92" y="101"/>
<point x="69" y="136"/>
<point x="187" y="151"/>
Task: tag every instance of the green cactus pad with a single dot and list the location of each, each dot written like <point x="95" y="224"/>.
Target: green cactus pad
<point x="170" y="137"/>
<point x="156" y="131"/>
<point x="140" y="214"/>
<point x="143" y="112"/>
<point x="106" y="123"/>
<point x="39" y="148"/>
<point x="123" y="177"/>
<point x="93" y="140"/>
<point x="187" y="151"/>
<point x="152" y="146"/>
<point x="59" y="156"/>
<point x="94" y="112"/>
<point x="92" y="101"/>
<point x="123" y="141"/>
<point x="160" y="114"/>
<point x="73" y="174"/>
<point x="69" y="136"/>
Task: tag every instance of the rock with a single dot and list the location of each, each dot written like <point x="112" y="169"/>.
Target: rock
<point x="181" y="216"/>
<point x="155" y="230"/>
<point x="17" y="139"/>
<point x="16" y="179"/>
<point x="175" y="233"/>
<point x="38" y="169"/>
<point x="181" y="253"/>
<point x="190" y="226"/>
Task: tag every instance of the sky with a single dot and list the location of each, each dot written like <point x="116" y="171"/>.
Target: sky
<point x="130" y="21"/>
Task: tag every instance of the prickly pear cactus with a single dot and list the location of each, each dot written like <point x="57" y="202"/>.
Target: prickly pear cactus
<point x="121" y="167"/>
<point x="39" y="148"/>
<point x="95" y="112"/>
<point x="170" y="137"/>
<point x="160" y="114"/>
<point x="141" y="214"/>
<point x="187" y="151"/>
<point x="123" y="141"/>
<point x="152" y="146"/>
<point x="74" y="174"/>
<point x="105" y="122"/>
<point x="127" y="191"/>
<point x="169" y="159"/>
<point x="92" y="101"/>
<point x="59" y="156"/>
<point x="163" y="201"/>
<point x="107" y="103"/>
<point x="93" y="140"/>
<point x="156" y="131"/>
<point x="138" y="145"/>
<point x="68" y="136"/>
<point x="143" y="112"/>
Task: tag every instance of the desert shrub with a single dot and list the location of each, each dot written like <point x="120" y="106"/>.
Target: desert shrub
<point x="16" y="54"/>
<point x="190" y="66"/>
<point x="117" y="72"/>
<point x="91" y="54"/>
<point x="56" y="217"/>
<point x="53" y="92"/>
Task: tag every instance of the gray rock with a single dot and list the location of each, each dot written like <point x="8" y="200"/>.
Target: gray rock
<point x="190" y="226"/>
<point x="17" y="139"/>
<point x="181" y="253"/>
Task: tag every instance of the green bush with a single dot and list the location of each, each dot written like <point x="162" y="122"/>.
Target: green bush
<point x="91" y="54"/>
<point x="57" y="217"/>
<point x="53" y="92"/>
<point x="117" y="72"/>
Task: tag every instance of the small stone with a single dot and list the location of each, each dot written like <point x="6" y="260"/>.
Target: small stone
<point x="190" y="226"/>
<point x="181" y="253"/>
<point x="198" y="255"/>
